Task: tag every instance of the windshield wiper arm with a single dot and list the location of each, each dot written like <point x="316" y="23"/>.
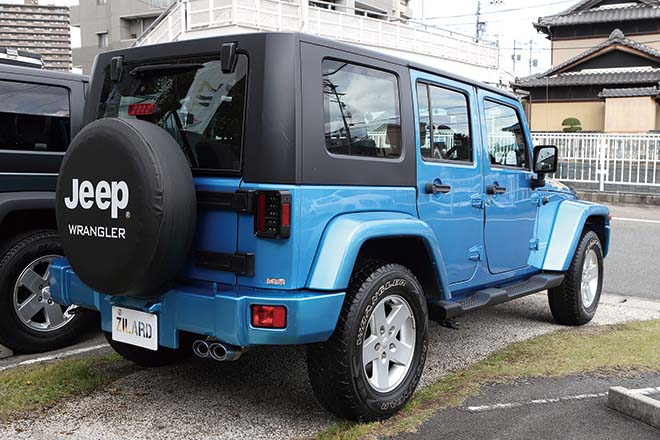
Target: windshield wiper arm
<point x="169" y="68"/>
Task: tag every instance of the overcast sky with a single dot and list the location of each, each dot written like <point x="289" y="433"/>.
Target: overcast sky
<point x="507" y="21"/>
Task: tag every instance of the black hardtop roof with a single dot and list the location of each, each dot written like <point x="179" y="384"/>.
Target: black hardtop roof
<point x="34" y="72"/>
<point x="217" y="40"/>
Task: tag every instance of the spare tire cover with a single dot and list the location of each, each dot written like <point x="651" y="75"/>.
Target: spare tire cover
<point x="126" y="207"/>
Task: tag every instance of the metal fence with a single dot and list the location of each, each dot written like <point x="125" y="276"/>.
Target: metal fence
<point x="606" y="159"/>
<point x="343" y="24"/>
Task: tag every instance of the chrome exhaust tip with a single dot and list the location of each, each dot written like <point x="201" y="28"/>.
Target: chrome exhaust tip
<point x="225" y="352"/>
<point x="218" y="351"/>
<point x="201" y="348"/>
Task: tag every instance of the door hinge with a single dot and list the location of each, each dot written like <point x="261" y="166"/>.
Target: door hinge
<point x="534" y="244"/>
<point x="537" y="199"/>
<point x="476" y="253"/>
<point x="478" y="201"/>
<point x="240" y="263"/>
<point x="239" y="201"/>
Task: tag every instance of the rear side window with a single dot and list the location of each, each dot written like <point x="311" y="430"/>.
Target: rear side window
<point x="444" y="118"/>
<point x="34" y="117"/>
<point x="361" y="109"/>
<point x="506" y="140"/>
<point x="199" y="105"/>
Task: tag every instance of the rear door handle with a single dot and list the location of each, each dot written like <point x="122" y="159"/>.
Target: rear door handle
<point x="495" y="189"/>
<point x="434" y="188"/>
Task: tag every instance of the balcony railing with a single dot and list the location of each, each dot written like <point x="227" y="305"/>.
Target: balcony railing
<point x="344" y="25"/>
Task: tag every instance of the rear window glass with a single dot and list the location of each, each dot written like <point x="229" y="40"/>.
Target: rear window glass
<point x="361" y="111"/>
<point x="34" y="117"/>
<point x="199" y="105"/>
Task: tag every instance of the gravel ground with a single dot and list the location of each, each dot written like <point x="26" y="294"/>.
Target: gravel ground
<point x="266" y="394"/>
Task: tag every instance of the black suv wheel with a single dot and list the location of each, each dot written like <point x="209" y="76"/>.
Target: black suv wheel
<point x="371" y="365"/>
<point x="575" y="301"/>
<point x="30" y="321"/>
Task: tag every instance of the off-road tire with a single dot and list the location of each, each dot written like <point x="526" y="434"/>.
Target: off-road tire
<point x="335" y="367"/>
<point x="152" y="359"/>
<point x="566" y="303"/>
<point x="15" y="255"/>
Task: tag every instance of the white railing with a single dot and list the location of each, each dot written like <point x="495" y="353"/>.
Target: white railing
<point x="606" y="159"/>
<point x="168" y="26"/>
<point x="343" y="25"/>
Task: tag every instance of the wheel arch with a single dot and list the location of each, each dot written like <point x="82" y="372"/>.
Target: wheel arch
<point x="395" y="237"/>
<point x="24" y="211"/>
<point x="411" y="252"/>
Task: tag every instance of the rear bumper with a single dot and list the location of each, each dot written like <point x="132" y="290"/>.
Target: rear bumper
<point x="219" y="311"/>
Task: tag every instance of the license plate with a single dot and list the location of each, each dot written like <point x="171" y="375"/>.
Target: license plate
<point x="135" y="328"/>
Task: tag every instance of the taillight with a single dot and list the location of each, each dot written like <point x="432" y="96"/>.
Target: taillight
<point x="273" y="214"/>
<point x="141" y="109"/>
<point x="268" y="316"/>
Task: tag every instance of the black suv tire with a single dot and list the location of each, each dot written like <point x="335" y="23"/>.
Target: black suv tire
<point x="567" y="302"/>
<point x="152" y="359"/>
<point x="339" y="376"/>
<point x="18" y="255"/>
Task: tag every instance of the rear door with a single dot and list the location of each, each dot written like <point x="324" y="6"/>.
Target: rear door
<point x="510" y="209"/>
<point x="203" y="109"/>
<point x="449" y="171"/>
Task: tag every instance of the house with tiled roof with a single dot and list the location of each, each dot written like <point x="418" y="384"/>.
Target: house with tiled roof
<point x="606" y="68"/>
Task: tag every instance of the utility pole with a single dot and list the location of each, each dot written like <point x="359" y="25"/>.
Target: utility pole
<point x="513" y="57"/>
<point x="531" y="47"/>
<point x="480" y="25"/>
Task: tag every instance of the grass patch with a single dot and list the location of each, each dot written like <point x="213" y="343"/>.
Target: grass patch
<point x="36" y="387"/>
<point x="614" y="349"/>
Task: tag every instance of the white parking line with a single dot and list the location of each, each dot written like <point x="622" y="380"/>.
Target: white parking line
<point x="52" y="357"/>
<point x="534" y="402"/>
<point x="638" y="220"/>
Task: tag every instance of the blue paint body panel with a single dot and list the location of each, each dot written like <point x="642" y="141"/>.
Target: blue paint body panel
<point x="222" y="311"/>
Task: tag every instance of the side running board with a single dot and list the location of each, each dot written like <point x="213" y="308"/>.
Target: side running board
<point x="440" y="310"/>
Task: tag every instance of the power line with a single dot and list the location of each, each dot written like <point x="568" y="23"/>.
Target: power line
<point x="501" y="10"/>
<point x="646" y="43"/>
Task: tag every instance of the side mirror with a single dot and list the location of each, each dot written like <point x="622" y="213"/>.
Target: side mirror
<point x="545" y="159"/>
<point x="545" y="162"/>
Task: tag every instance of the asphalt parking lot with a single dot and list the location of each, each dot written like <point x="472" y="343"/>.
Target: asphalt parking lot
<point x="266" y="393"/>
<point x="632" y="266"/>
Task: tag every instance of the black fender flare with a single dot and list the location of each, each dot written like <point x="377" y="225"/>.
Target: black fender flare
<point x="25" y="201"/>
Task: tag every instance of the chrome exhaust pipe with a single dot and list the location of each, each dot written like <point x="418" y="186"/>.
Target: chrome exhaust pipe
<point x="217" y="351"/>
<point x="201" y="348"/>
<point x="224" y="352"/>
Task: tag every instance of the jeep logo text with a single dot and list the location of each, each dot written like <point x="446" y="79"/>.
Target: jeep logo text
<point x="113" y="195"/>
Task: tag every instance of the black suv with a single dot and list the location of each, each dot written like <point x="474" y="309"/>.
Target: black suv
<point x="40" y="111"/>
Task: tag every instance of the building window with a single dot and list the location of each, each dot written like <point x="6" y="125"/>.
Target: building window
<point x="361" y="111"/>
<point x="103" y="40"/>
<point x="160" y="4"/>
<point x="101" y="2"/>
<point x="34" y="117"/>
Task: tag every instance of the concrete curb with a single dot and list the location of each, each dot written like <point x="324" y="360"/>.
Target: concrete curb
<point x="650" y="199"/>
<point x="636" y="404"/>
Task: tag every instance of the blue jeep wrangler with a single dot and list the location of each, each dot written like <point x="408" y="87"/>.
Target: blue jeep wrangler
<point x="279" y="188"/>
